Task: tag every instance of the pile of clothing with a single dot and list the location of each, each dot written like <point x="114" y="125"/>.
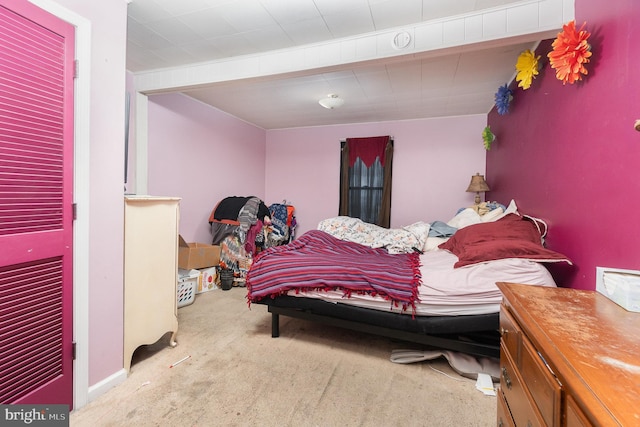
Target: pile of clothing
<point x="243" y="226"/>
<point x="283" y="221"/>
<point x="238" y="226"/>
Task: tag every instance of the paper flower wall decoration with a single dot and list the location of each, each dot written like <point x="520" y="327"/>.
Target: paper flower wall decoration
<point x="570" y="52"/>
<point x="504" y="95"/>
<point x="488" y="137"/>
<point x="527" y="67"/>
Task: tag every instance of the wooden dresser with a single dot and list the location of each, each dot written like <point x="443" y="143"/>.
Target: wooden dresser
<point x="568" y="357"/>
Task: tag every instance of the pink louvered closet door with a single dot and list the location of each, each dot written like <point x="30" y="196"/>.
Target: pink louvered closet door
<point x="36" y="183"/>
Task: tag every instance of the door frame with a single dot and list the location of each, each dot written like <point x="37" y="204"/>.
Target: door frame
<point x="82" y="88"/>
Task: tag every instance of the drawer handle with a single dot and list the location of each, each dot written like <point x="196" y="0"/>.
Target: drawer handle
<point x="505" y="375"/>
<point x="503" y="331"/>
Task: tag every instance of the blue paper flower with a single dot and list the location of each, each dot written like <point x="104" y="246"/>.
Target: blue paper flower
<point x="504" y="95"/>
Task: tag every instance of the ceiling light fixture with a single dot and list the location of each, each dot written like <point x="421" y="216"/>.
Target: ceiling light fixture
<point x="331" y="101"/>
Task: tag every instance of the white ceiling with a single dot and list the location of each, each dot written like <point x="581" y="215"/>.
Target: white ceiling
<point x="169" y="35"/>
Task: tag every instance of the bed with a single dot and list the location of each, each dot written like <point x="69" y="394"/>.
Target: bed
<point x="434" y="289"/>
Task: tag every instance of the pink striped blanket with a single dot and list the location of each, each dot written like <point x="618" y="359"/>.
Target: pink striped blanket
<point x="319" y="261"/>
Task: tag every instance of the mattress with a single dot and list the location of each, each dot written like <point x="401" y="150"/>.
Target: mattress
<point x="448" y="291"/>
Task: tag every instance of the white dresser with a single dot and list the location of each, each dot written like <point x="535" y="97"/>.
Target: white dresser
<point x="150" y="271"/>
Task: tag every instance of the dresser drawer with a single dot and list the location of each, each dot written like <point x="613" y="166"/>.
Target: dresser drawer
<point x="574" y="416"/>
<point x="504" y="416"/>
<point x="541" y="382"/>
<point x="519" y="401"/>
<point x="511" y="334"/>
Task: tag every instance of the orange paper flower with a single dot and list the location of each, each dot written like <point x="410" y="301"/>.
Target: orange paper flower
<point x="570" y="53"/>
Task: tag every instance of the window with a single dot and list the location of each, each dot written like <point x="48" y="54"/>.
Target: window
<point x="365" y="179"/>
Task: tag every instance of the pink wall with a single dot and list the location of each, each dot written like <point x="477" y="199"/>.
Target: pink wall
<point x="106" y="204"/>
<point x="302" y="165"/>
<point x="432" y="166"/>
<point x="202" y="155"/>
<point x="569" y="154"/>
<point x="105" y="207"/>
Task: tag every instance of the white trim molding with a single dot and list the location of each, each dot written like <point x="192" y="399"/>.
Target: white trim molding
<point x="107" y="384"/>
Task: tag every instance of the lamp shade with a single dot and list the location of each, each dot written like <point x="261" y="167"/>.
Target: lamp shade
<point x="331" y="101"/>
<point x="477" y="184"/>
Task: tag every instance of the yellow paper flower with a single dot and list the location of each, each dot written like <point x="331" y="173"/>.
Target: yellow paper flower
<point x="527" y="67"/>
<point x="570" y="52"/>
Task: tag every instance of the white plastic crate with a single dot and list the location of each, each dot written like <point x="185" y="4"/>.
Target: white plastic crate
<point x="187" y="286"/>
<point x="186" y="291"/>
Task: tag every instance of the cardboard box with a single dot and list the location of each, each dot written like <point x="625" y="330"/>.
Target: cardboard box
<point x="207" y="279"/>
<point x="620" y="286"/>
<point x="197" y="255"/>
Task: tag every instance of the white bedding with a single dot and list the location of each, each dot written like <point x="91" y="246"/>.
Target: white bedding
<point x="448" y="291"/>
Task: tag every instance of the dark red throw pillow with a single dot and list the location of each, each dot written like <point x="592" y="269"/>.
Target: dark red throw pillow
<point x="510" y="237"/>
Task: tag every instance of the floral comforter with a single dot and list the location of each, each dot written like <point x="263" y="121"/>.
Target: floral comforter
<point x="394" y="240"/>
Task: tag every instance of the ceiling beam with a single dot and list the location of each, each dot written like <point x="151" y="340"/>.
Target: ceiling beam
<point x="528" y="20"/>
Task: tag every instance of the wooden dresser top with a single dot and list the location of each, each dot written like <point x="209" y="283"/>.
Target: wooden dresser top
<point x="592" y="344"/>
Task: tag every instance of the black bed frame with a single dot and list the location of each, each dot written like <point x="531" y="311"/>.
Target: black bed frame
<point x="476" y="335"/>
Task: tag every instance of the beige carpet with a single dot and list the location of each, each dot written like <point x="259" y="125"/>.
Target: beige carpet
<point x="312" y="375"/>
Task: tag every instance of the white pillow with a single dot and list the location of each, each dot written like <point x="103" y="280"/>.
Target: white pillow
<point x="512" y="208"/>
<point x="464" y="218"/>
<point x="492" y="215"/>
<point x="433" y="242"/>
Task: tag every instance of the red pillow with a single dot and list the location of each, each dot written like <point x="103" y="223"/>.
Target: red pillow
<point x="509" y="237"/>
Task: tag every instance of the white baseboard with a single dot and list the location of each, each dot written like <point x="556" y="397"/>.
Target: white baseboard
<point x="107" y="384"/>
